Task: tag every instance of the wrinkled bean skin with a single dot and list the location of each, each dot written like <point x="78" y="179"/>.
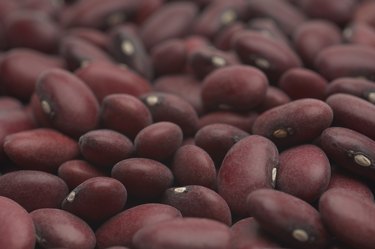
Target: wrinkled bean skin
<point x="288" y="218"/>
<point x="31" y="189"/>
<point x="340" y="209"/>
<point x="274" y="97"/>
<point x="362" y="88"/>
<point x="193" y="233"/>
<point x="198" y="201"/>
<point x="58" y="228"/>
<point x="16" y="227"/>
<point x="294" y="123"/>
<point x="249" y="165"/>
<point x="120" y="229"/>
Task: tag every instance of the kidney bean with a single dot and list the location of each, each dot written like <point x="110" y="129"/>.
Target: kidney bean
<point x="37" y="113"/>
<point x="195" y="42"/>
<point x="145" y="9"/>
<point x="117" y="247"/>
<point x="116" y="108"/>
<point x="192" y="165"/>
<point x="105" y="147"/>
<point x="289" y="219"/>
<point x="40" y="149"/>
<point x="346" y="61"/>
<point x="8" y="103"/>
<point x="143" y="178"/>
<point x="223" y="38"/>
<point x="364" y="13"/>
<point x="340" y="209"/>
<point x="360" y="33"/>
<point x="357" y="114"/>
<point x="270" y="55"/>
<point x="350" y="149"/>
<point x="46" y="6"/>
<point x="234" y="87"/>
<point x="187" y="233"/>
<point x="217" y="139"/>
<point x="120" y="229"/>
<point x="117" y="80"/>
<point x="59" y="228"/>
<point x="304" y="171"/>
<point x="32" y="189"/>
<point x="158" y="27"/>
<point x="249" y="165"/>
<point x="274" y="97"/>
<point x="172" y="108"/>
<point x="93" y="36"/>
<point x="268" y="28"/>
<point x="16" y="227"/>
<point x="358" y="87"/>
<point x="69" y="104"/>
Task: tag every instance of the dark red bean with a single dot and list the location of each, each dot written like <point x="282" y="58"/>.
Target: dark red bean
<point x="8" y="103"/>
<point x="105" y="147"/>
<point x="116" y="108"/>
<point x="249" y="165"/>
<point x="16" y="227"/>
<point x="59" y="228"/>
<point x="364" y="13"/>
<point x="288" y="218"/>
<point x="223" y="39"/>
<point x="354" y="86"/>
<point x="144" y="179"/>
<point x="145" y="9"/>
<point x="274" y="97"/>
<point x="93" y="36"/>
<point x="120" y="229"/>
<point x="357" y="114"/>
<point x="340" y="209"/>
<point x="294" y="123"/>
<point x="187" y="233"/>
<point x="360" y="33"/>
<point x="117" y="247"/>
<point x="194" y="42"/>
<point x="350" y="149"/>
<point x="269" y="28"/>
<point x="40" y="149"/>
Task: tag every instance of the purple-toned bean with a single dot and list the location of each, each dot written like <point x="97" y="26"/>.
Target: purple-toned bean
<point x="105" y="147"/>
<point x="93" y="36"/>
<point x="38" y="114"/>
<point x="16" y="227"/>
<point x="361" y="88"/>
<point x="223" y="39"/>
<point x="350" y="149"/>
<point x="144" y="179"/>
<point x="360" y="33"/>
<point x="117" y="247"/>
<point x="274" y="97"/>
<point x="269" y="28"/>
<point x="116" y="108"/>
<point x="356" y="114"/>
<point x="196" y="233"/>
<point x="249" y="165"/>
<point x="32" y="189"/>
<point x="192" y="165"/>
<point x="59" y="228"/>
<point x="287" y="218"/>
<point x="364" y="13"/>
<point x="145" y="9"/>
<point x="8" y="103"/>
<point x="120" y="229"/>
<point x="340" y="209"/>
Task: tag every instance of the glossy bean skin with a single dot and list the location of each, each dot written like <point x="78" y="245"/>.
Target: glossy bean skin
<point x="40" y="149"/>
<point x="350" y="149"/>
<point x="294" y="123"/>
<point x="192" y="165"/>
<point x="360" y="33"/>
<point x="362" y="88"/>
<point x="304" y="171"/>
<point x="31" y="189"/>
<point x="340" y="209"/>
<point x="198" y="201"/>
<point x="274" y="97"/>
<point x="254" y="161"/>
<point x="120" y="229"/>
<point x="144" y="179"/>
<point x="17" y="228"/>
<point x="197" y="233"/>
<point x="234" y="87"/>
<point x="59" y="228"/>
<point x="357" y="114"/>
<point x="289" y="219"/>
<point x="105" y="147"/>
<point x="96" y="199"/>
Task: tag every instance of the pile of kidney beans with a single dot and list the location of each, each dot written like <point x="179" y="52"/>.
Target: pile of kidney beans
<point x="202" y="124"/>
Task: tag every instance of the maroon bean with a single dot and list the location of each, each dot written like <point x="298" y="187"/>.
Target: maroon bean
<point x="59" y="228"/>
<point x="194" y="42"/>
<point x="249" y="165"/>
<point x="340" y="209"/>
<point x="40" y="149"/>
<point x="32" y="189"/>
<point x="269" y="28"/>
<point x="38" y="113"/>
<point x="194" y="233"/>
<point x="274" y="97"/>
<point x="145" y="9"/>
<point x="364" y="13"/>
<point x="93" y="36"/>
<point x="360" y="33"/>
<point x="192" y="165"/>
<point x="350" y="149"/>
<point x="120" y="229"/>
<point x="144" y="179"/>
<point x="294" y="123"/>
<point x="16" y="227"/>
<point x="105" y="147"/>
<point x="358" y="87"/>
<point x="117" y="80"/>
<point x="223" y="39"/>
<point x="289" y="219"/>
<point x="117" y="247"/>
<point x="357" y="114"/>
<point x="116" y="108"/>
<point x="235" y="87"/>
<point x="8" y="103"/>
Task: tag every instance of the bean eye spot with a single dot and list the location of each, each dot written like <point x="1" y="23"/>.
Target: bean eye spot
<point x="152" y="100"/>
<point x="228" y="16"/>
<point x="300" y="235"/>
<point x="362" y="160"/>
<point x="180" y="190"/>
<point x="71" y="196"/>
<point x="127" y="48"/>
